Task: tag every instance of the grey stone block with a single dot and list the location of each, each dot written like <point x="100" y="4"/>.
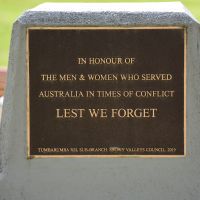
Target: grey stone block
<point x="94" y="178"/>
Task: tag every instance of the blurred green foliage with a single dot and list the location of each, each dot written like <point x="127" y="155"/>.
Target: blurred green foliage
<point x="11" y="9"/>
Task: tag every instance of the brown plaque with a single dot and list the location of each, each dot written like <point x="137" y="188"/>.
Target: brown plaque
<point x="106" y="91"/>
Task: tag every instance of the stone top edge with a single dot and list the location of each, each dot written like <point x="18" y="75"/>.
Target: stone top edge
<point x="111" y="7"/>
<point x="162" y="13"/>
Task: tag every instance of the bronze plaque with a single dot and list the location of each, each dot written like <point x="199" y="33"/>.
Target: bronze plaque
<point x="106" y="91"/>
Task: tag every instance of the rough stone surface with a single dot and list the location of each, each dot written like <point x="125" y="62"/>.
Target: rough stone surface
<point x="93" y="178"/>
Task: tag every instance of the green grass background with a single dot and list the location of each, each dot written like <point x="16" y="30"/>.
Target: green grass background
<point x="11" y="9"/>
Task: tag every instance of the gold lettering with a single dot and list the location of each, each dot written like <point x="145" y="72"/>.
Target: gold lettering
<point x="136" y="113"/>
<point x="69" y="113"/>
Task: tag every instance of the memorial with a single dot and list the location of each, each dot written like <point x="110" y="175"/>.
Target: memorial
<point x="102" y="103"/>
<point x="93" y="104"/>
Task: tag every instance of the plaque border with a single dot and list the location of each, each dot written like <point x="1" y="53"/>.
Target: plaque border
<point x="29" y="156"/>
